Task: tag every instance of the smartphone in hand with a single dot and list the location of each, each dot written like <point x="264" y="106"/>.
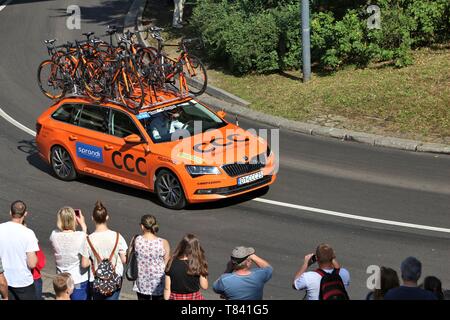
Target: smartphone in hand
<point x="312" y="260"/>
<point x="77" y="212"/>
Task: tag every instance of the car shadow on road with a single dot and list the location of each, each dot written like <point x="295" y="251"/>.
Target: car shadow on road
<point x="30" y="149"/>
<point x="229" y="201"/>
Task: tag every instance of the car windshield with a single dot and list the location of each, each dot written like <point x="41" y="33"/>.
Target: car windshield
<point x="183" y="119"/>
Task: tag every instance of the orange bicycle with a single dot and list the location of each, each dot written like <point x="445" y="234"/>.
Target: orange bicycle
<point x="192" y="69"/>
<point x="69" y="71"/>
<point x="117" y="78"/>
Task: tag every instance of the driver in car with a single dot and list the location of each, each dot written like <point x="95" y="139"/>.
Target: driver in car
<point x="166" y="123"/>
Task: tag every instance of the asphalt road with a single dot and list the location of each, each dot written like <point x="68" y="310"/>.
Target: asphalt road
<point x="316" y="172"/>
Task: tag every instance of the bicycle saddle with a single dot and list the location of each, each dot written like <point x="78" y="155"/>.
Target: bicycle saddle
<point x="51" y="41"/>
<point x="88" y="34"/>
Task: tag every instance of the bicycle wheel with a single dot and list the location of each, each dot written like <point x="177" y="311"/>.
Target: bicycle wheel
<point x="195" y="73"/>
<point x="146" y="56"/>
<point x="131" y="90"/>
<point x="93" y="80"/>
<point x="50" y="78"/>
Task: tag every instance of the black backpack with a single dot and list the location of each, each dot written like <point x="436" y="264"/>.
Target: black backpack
<point x="106" y="280"/>
<point x="331" y="286"/>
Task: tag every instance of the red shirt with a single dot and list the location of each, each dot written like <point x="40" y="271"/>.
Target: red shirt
<point x="40" y="264"/>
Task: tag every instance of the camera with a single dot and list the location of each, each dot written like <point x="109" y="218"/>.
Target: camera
<point x="312" y="260"/>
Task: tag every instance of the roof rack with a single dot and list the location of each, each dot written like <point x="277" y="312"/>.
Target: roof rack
<point x="154" y="98"/>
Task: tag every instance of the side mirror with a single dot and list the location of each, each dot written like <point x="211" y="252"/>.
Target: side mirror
<point x="221" y="114"/>
<point x="132" y="138"/>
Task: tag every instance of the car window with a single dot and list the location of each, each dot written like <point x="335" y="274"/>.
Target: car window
<point x="122" y="125"/>
<point x="162" y="124"/>
<point x="94" y="118"/>
<point x="68" y="113"/>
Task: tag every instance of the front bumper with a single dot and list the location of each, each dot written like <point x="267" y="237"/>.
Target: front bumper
<point x="209" y="188"/>
<point x="226" y="191"/>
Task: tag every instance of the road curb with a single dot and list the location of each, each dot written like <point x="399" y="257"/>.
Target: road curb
<point x="240" y="107"/>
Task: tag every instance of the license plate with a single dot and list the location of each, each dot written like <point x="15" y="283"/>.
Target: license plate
<point x="250" y="178"/>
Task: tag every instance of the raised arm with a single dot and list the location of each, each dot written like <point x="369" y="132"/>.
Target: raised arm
<point x="260" y="262"/>
<point x="303" y="267"/>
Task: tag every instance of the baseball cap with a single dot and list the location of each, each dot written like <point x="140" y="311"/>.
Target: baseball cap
<point x="239" y="254"/>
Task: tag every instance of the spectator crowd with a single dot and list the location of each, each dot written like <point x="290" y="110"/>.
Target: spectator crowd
<point x="92" y="267"/>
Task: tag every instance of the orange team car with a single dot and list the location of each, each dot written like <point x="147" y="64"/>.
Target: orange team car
<point x="179" y="149"/>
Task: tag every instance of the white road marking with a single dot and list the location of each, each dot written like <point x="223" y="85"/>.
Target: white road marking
<point x="284" y="204"/>
<point x="3" y="6"/>
<point x="16" y="123"/>
<point x="351" y="216"/>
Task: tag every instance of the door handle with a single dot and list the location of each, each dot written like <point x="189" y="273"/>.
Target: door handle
<point x="108" y="147"/>
<point x="73" y="138"/>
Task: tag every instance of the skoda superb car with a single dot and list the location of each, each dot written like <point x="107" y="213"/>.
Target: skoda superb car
<point x="181" y="150"/>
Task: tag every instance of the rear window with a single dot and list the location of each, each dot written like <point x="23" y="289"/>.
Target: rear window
<point x="68" y="113"/>
<point x="94" y="118"/>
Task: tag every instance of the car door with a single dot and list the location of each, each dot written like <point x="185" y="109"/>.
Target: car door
<point x="91" y="139"/>
<point x="129" y="160"/>
<point x="64" y="129"/>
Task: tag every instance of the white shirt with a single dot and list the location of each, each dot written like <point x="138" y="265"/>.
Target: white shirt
<point x="67" y="247"/>
<point x="311" y="282"/>
<point x="162" y="127"/>
<point x="103" y="243"/>
<point x="15" y="241"/>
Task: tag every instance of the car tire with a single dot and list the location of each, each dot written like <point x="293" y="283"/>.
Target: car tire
<point x="169" y="190"/>
<point x="62" y="164"/>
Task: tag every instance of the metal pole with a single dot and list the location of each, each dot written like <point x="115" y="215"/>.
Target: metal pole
<point x="306" y="41"/>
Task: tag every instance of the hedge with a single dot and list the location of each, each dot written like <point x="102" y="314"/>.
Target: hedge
<point x="264" y="35"/>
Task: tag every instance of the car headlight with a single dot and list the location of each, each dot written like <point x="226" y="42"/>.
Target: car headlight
<point x="201" y="170"/>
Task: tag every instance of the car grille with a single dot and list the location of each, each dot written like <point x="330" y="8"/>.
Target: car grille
<point x="237" y="169"/>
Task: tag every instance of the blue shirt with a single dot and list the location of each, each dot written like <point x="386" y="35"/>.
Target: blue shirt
<point x="409" y="293"/>
<point x="248" y="287"/>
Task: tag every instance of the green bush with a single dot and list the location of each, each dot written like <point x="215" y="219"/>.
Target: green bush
<point x="289" y="43"/>
<point x="265" y="35"/>
<point x="251" y="43"/>
<point x="430" y="23"/>
<point x="243" y="42"/>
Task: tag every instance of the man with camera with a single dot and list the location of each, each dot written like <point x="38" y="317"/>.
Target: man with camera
<point x="328" y="282"/>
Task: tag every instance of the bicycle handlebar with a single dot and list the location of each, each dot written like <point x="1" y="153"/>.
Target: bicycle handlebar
<point x="88" y="34"/>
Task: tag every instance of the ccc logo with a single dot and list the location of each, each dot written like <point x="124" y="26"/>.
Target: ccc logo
<point x="129" y="163"/>
<point x="210" y="146"/>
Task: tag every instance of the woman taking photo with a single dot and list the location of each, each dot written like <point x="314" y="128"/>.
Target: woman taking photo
<point x="187" y="271"/>
<point x="67" y="242"/>
<point x="152" y="254"/>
